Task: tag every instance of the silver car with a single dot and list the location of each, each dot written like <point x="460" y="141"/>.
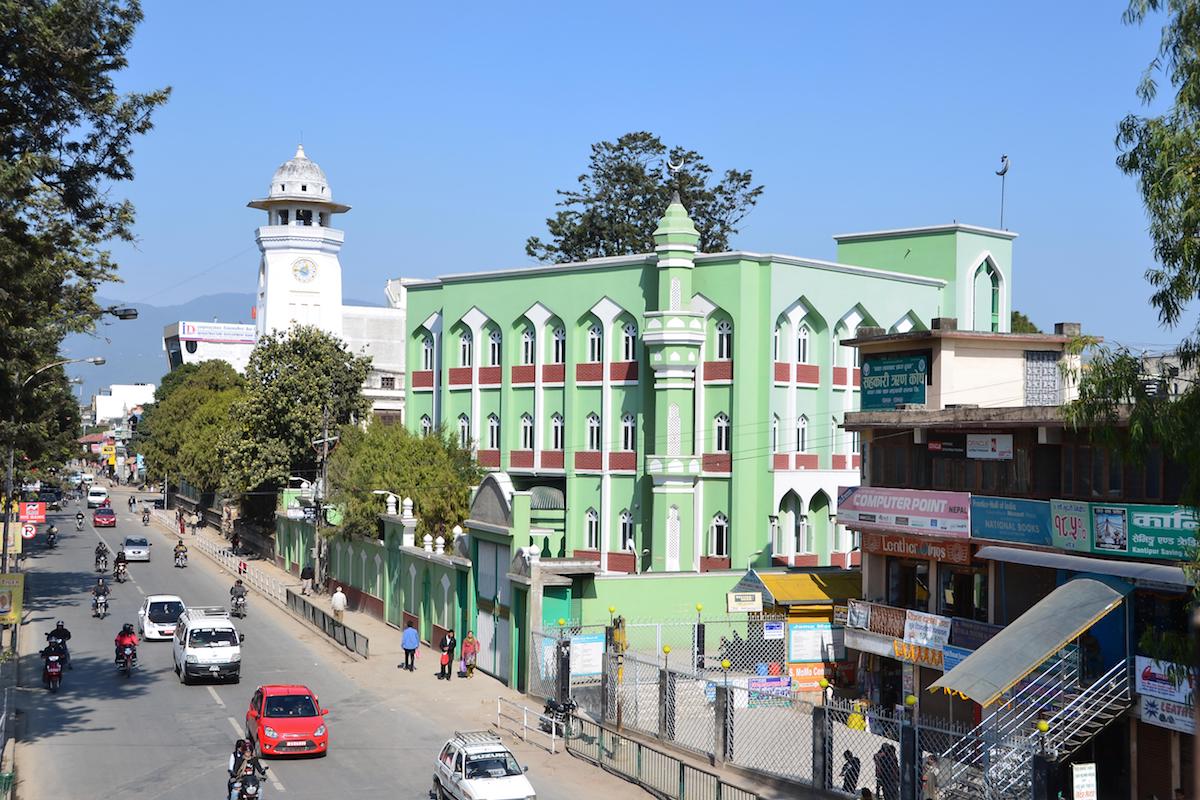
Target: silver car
<point x="137" y="548"/>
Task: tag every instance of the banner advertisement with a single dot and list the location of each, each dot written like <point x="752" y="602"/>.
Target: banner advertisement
<point x="953" y="656"/>
<point x="893" y="544"/>
<point x="14" y="541"/>
<point x="1167" y="714"/>
<point x="1163" y="680"/>
<point x="905" y="510"/>
<point x="222" y="332"/>
<point x="1008" y="519"/>
<point x="1166" y="533"/>
<point x="927" y="630"/>
<point x="947" y="445"/>
<point x="858" y="615"/>
<point x="775" y="690"/>
<point x="12" y="591"/>
<point x="807" y="677"/>
<point x="32" y="512"/>
<point x="990" y="446"/>
<point x="888" y="381"/>
<point x="1070" y="525"/>
<point x="815" y="641"/>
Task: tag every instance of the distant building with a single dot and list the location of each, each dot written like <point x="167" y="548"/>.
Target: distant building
<point x="115" y="403"/>
<point x="193" y="342"/>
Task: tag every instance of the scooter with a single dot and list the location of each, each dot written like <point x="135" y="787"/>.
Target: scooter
<point x="145" y="518"/>
<point x="100" y="607"/>
<point x="246" y="789"/>
<point x="79" y="523"/>
<point x="237" y="606"/>
<point x="51" y="537"/>
<point x="52" y="673"/>
<point x="120" y="573"/>
<point x="127" y="660"/>
<point x="181" y="559"/>
<point x="102" y="563"/>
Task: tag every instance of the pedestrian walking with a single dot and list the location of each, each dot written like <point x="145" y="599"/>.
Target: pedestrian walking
<point x="851" y="767"/>
<point x="448" y="645"/>
<point x="338" y="603"/>
<point x="410" y="640"/>
<point x="470" y="649"/>
<point x="179" y="520"/>
<point x="887" y="772"/>
<point x="235" y="541"/>
<point x="306" y="579"/>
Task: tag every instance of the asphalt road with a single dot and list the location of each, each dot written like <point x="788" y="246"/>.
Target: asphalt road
<point x="148" y="736"/>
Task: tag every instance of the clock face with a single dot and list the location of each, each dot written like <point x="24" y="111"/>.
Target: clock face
<point x="304" y="270"/>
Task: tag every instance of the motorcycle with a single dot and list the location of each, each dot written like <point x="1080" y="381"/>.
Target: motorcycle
<point x="51" y="538"/>
<point x="102" y="563"/>
<point x="126" y="660"/>
<point x="120" y="574"/>
<point x="555" y="716"/>
<point x="79" y="523"/>
<point x="181" y="559"/>
<point x="237" y="606"/>
<point x="52" y="641"/>
<point x="100" y="607"/>
<point x="52" y="673"/>
<point x="145" y="517"/>
<point x="246" y="790"/>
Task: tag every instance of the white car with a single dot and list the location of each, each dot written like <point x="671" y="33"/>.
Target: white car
<point x="96" y="496"/>
<point x="476" y="765"/>
<point x="137" y="548"/>
<point x="158" y="616"/>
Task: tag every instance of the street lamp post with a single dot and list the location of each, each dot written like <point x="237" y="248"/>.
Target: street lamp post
<point x="12" y="444"/>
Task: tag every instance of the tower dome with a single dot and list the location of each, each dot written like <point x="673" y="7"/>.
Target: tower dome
<point x="299" y="177"/>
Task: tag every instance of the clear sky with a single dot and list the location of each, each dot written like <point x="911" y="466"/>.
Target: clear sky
<point x="448" y="128"/>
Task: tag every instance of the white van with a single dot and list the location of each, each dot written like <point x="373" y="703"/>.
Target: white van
<point x="206" y="644"/>
<point x="96" y="496"/>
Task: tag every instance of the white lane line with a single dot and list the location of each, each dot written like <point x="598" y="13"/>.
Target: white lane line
<point x="128" y="577"/>
<point x="236" y="728"/>
<point x="270" y="773"/>
<point x="216" y="698"/>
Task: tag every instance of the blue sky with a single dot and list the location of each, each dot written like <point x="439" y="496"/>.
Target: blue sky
<point x="448" y="128"/>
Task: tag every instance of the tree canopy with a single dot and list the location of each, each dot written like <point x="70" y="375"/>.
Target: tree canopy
<point x="432" y="470"/>
<point x="625" y="190"/>
<point x="1022" y="324"/>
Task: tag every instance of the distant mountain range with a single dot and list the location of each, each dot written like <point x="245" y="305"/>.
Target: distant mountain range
<point x="134" y="347"/>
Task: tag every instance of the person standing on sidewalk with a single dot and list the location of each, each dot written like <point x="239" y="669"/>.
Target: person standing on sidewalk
<point x="306" y="579"/>
<point x="470" y="650"/>
<point x="410" y="640"/>
<point x="195" y="521"/>
<point x="448" y="645"/>
<point x="338" y="604"/>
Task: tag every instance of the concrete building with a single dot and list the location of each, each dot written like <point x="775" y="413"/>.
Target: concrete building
<point x="115" y="403"/>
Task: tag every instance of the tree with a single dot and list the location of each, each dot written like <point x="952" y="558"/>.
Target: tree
<point x="432" y="470"/>
<point x="624" y="192"/>
<point x="294" y="381"/>
<point x="1022" y="324"/>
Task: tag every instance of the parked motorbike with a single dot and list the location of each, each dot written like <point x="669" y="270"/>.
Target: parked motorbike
<point x="120" y="572"/>
<point x="52" y="672"/>
<point x="181" y="559"/>
<point x="100" y="607"/>
<point x="556" y="714"/>
<point x="237" y="606"/>
<point x="126" y="660"/>
<point x="101" y="563"/>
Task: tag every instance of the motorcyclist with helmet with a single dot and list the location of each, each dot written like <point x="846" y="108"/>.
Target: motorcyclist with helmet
<point x="57" y="643"/>
<point x="180" y="549"/>
<point x="101" y="552"/>
<point x="99" y="590"/>
<point x="126" y="638"/>
<point x="241" y="761"/>
<point x="78" y="520"/>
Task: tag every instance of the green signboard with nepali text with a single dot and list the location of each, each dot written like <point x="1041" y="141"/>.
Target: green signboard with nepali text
<point x="888" y="381"/>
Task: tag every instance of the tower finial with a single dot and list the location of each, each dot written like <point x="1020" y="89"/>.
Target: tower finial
<point x="300" y="152"/>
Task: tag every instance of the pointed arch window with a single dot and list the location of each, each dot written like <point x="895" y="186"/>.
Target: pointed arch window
<point x="595" y="344"/>
<point x="464" y="431"/>
<point x="802" y="535"/>
<point x="426" y="425"/>
<point x="593" y="432"/>
<point x="629" y="432"/>
<point x="556" y="432"/>
<point x="627" y="536"/>
<point x="464" y="349"/>
<point x="527" y="347"/>
<point x="526" y="432"/>
<point x="724" y="340"/>
<point x="493" y="432"/>
<point x="802" y="342"/>
<point x="558" y="350"/>
<point x="718" y="544"/>
<point x="495" y="341"/>
<point x="426" y="353"/>
<point x="629" y="337"/>
<point x="723" y="430"/>
<point x="776" y="353"/>
<point x="802" y="434"/>
<point x="591" y="528"/>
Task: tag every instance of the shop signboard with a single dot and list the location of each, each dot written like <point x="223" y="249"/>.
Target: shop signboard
<point x="990" y="446"/>
<point x="888" y="381"/>
<point x="971" y="635"/>
<point x="858" y="615"/>
<point x="815" y="641"/>
<point x="917" y="654"/>
<point x="1083" y="782"/>
<point x="1163" y="680"/>
<point x="905" y="510"/>
<point x="587" y="655"/>
<point x="743" y="602"/>
<point x="1070" y="525"/>
<point x="928" y="630"/>
<point x="1164" y="533"/>
<point x="840" y="614"/>
<point x="1168" y="714"/>
<point x="807" y="677"/>
<point x="772" y="630"/>
<point x="218" y="332"/>
<point x="947" y="445"/>
<point x="953" y="656"/>
<point x="950" y="551"/>
<point x="12" y="590"/>
<point x="1009" y="519"/>
<point x="32" y="512"/>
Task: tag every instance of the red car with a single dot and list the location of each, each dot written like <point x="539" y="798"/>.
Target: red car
<point x="286" y="720"/>
<point x="104" y="518"/>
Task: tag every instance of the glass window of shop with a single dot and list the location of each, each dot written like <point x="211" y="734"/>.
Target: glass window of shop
<point x="908" y="584"/>
<point x="963" y="592"/>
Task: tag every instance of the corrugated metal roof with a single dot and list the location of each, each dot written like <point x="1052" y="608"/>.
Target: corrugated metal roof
<point x="803" y="588"/>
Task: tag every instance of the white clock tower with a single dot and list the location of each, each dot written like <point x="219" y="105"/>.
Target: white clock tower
<point x="300" y="276"/>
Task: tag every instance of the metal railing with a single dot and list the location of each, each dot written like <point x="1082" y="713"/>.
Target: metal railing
<point x="515" y="719"/>
<point x="341" y="633"/>
<point x="655" y="770"/>
<point x="251" y="575"/>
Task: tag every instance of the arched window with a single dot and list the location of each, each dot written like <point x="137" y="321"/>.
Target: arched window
<point x="775" y="434"/>
<point x="855" y="443"/>
<point x="426" y="353"/>
<point x="721" y="424"/>
<point x="493" y="432"/>
<point x="591" y="523"/>
<point x="718" y="544"/>
<point x="464" y="349"/>
<point x="629" y="432"/>
<point x="629" y="342"/>
<point x="556" y="432"/>
<point x="494" y="343"/>
<point x="776" y="354"/>
<point x="426" y="425"/>
<point x="558" y="353"/>
<point x="802" y="535"/>
<point x="802" y="345"/>
<point x="627" y="539"/>
<point x="526" y="432"/>
<point x="595" y="344"/>
<point x="593" y="432"/>
<point x="724" y="340"/>
<point x="527" y="347"/>
<point x="464" y="431"/>
<point x="802" y="434"/>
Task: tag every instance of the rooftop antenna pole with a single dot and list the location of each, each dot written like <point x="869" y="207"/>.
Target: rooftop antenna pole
<point x="1003" y="173"/>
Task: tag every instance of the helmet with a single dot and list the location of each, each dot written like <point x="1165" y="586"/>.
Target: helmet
<point x="61" y="624"/>
<point x="100" y="581"/>
<point x="238" y="581"/>
<point x="127" y="627"/>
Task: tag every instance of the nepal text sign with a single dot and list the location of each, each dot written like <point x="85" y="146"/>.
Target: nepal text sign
<point x="1165" y="533"/>
<point x="906" y="510"/>
<point x="888" y="381"/>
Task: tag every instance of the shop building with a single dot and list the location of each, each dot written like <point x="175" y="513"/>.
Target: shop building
<point x="1012" y="567"/>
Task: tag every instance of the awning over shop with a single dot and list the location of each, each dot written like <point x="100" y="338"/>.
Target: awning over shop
<point x="811" y="591"/>
<point x="1057" y="619"/>
<point x="1132" y="570"/>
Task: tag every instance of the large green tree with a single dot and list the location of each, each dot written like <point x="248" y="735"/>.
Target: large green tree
<point x="432" y="470"/>
<point x="296" y="382"/>
<point x="66" y="137"/>
<point x="1019" y="323"/>
<point x="624" y="191"/>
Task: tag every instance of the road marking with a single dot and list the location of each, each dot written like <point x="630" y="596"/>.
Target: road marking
<point x="216" y="698"/>
<point x="270" y="773"/>
<point x="128" y="577"/>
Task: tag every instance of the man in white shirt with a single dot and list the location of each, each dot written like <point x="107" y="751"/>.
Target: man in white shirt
<point x="338" y="603"/>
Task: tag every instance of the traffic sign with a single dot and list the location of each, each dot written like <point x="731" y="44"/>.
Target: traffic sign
<point x="28" y="530"/>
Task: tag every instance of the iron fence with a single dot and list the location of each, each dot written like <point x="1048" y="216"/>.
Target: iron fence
<point x="747" y="641"/>
<point x="771" y="731"/>
<point x="522" y="721"/>
<point x="256" y="578"/>
<point x="341" y="633"/>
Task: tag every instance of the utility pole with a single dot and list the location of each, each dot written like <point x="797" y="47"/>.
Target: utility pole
<point x="319" y="497"/>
